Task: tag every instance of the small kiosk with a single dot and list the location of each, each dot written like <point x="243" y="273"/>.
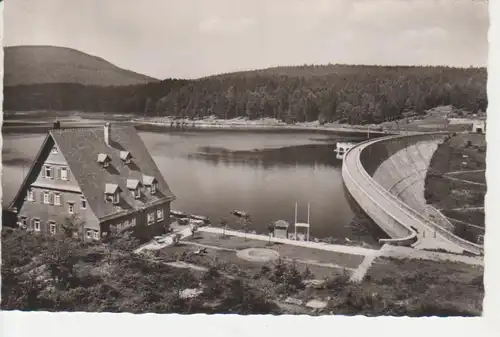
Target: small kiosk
<point x="281" y="229"/>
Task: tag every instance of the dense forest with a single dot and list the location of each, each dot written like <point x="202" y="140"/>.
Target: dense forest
<point x="347" y="94"/>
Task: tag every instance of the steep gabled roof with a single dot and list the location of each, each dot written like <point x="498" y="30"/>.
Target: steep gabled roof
<point x="27" y="178"/>
<point x="132" y="184"/>
<point x="111" y="188"/>
<point x="148" y="180"/>
<point x="81" y="147"/>
<point x="102" y="158"/>
<point x="124" y="155"/>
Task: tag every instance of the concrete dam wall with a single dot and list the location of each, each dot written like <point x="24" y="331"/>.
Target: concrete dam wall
<point x="400" y="165"/>
<point x="386" y="177"/>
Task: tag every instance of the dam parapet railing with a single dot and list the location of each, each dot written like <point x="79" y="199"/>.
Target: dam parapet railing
<point x="395" y="226"/>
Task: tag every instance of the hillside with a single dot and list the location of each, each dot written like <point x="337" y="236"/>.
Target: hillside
<point x="308" y="71"/>
<point x="26" y="65"/>
<point x="353" y="94"/>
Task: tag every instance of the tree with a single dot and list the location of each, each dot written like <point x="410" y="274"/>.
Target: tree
<point x="176" y="239"/>
<point x="194" y="229"/>
<point x="245" y="222"/>
<point x="72" y="225"/>
<point x="223" y="224"/>
<point x="270" y="230"/>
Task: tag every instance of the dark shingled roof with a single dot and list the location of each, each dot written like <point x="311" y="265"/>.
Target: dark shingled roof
<point x="81" y="147"/>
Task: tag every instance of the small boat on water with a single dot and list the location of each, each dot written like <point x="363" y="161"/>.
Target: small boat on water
<point x="200" y="218"/>
<point x="240" y="214"/>
<point x="178" y="214"/>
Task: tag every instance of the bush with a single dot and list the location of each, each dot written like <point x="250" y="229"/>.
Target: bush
<point x="288" y="277"/>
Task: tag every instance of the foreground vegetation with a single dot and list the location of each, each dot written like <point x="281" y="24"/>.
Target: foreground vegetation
<point x="58" y="273"/>
<point x="342" y="93"/>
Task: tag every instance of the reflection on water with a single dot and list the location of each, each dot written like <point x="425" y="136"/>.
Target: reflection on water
<point x="213" y="173"/>
<point x="309" y="155"/>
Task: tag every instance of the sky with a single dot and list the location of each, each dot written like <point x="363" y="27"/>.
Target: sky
<point x="196" y="38"/>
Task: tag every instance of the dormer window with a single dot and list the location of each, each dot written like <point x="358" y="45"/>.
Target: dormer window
<point x="55" y="150"/>
<point x="134" y="186"/>
<point x="125" y="156"/>
<point x="150" y="182"/>
<point x="103" y="159"/>
<point x="112" y="193"/>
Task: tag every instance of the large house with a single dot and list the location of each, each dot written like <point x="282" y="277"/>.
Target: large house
<point x="96" y="182"/>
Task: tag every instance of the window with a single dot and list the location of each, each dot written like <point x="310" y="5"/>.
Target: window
<point x="114" y="198"/>
<point x="96" y="235"/>
<point x="159" y="215"/>
<point x="55" y="150"/>
<point x="105" y="163"/>
<point x="31" y="195"/>
<point x="88" y="234"/>
<point x="71" y="208"/>
<point x="52" y="228"/>
<point x="23" y="222"/>
<point x="151" y="218"/>
<point x="64" y="173"/>
<point x="36" y="225"/>
<point x="83" y="202"/>
<point x="153" y="188"/>
<point x="136" y="193"/>
<point x="48" y="172"/>
<point x="46" y="198"/>
<point x="57" y="199"/>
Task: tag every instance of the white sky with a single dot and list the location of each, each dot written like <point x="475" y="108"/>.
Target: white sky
<point x="194" y="38"/>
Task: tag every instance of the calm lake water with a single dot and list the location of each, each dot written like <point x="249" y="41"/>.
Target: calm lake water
<point x="215" y="172"/>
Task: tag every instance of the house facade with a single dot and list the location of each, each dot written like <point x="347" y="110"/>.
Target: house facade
<point x="94" y="182"/>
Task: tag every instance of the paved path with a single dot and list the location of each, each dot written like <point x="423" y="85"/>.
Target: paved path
<point x="466" y="223"/>
<point x="481" y="208"/>
<point x="167" y="241"/>
<point x="465" y="171"/>
<point x="360" y="272"/>
<point x="410" y="253"/>
<point x="463" y="181"/>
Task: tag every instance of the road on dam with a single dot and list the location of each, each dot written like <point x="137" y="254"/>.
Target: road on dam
<point x="404" y="225"/>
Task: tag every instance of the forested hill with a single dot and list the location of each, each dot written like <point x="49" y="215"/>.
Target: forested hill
<point x="351" y="94"/>
<point x="50" y="64"/>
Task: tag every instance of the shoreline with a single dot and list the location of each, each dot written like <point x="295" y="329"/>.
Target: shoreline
<point x="258" y="125"/>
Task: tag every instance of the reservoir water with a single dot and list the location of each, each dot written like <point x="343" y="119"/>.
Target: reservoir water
<point x="217" y="171"/>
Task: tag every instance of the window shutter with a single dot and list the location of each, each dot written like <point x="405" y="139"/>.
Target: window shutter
<point x="41" y="197"/>
<point x="43" y="171"/>
<point x="57" y="173"/>
<point x="34" y="195"/>
<point x="61" y="199"/>
<point x="52" y="172"/>
<point x="51" y="198"/>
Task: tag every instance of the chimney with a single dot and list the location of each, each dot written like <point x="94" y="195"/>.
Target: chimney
<point x="57" y="125"/>
<point x="107" y="131"/>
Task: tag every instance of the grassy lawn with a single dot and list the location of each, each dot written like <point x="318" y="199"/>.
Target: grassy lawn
<point x="285" y="251"/>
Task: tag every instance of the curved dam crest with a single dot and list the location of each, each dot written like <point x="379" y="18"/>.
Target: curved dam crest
<point x="386" y="177"/>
